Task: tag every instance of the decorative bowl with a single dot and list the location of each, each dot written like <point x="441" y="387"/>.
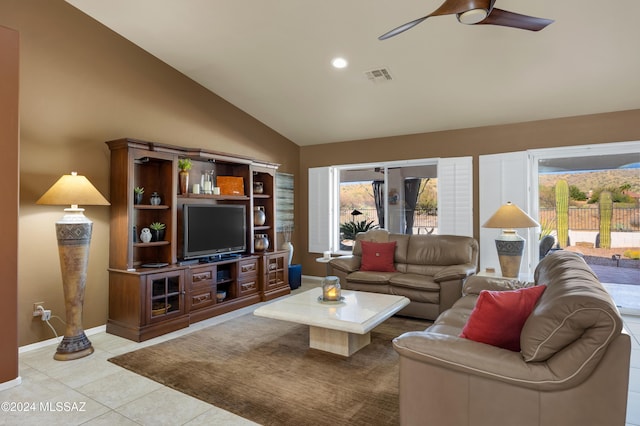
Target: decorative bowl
<point x="159" y="308"/>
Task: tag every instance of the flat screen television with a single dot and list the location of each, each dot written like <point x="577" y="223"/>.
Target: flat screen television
<point x="213" y="229"/>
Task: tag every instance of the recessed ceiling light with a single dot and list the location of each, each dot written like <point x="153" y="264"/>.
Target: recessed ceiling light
<point x="339" y="63"/>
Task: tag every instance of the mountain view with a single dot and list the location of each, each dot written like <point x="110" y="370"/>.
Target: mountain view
<point x="592" y="180"/>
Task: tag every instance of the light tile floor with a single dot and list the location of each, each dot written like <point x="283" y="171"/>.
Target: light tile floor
<point x="93" y="391"/>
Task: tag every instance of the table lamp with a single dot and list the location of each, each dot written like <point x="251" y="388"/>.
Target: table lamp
<point x="73" y="232"/>
<point x="509" y="244"/>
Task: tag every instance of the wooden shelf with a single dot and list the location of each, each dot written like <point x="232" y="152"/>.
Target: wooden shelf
<point x="150" y="207"/>
<point x="215" y="197"/>
<point x="190" y="289"/>
<point x="152" y="244"/>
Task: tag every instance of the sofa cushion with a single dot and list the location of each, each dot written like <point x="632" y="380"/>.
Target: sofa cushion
<point x="499" y="316"/>
<point x="441" y="250"/>
<point x="415" y="281"/>
<point x="574" y="307"/>
<point x="415" y="294"/>
<point x="370" y="277"/>
<point x="377" y="256"/>
<point x="381" y="288"/>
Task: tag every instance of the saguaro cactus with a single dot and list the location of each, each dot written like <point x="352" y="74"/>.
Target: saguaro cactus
<point x="562" y="212"/>
<point x="605" y="206"/>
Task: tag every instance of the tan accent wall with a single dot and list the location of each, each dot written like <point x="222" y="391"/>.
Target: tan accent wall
<point x="9" y="75"/>
<point x="588" y="129"/>
<point x="80" y="85"/>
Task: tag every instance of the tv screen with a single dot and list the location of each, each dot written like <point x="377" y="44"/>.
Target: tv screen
<point x="213" y="229"/>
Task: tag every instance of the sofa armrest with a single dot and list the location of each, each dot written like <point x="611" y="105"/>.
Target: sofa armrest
<point x="345" y="264"/>
<point x="455" y="272"/>
<point x="479" y="359"/>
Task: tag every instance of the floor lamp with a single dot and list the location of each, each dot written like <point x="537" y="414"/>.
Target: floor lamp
<point x="74" y="236"/>
<point x="509" y="244"/>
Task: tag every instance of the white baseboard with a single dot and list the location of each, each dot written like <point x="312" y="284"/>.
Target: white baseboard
<point x="10" y="384"/>
<point x="56" y="341"/>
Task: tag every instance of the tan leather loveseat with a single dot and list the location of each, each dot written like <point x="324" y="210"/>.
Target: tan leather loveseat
<point x="430" y="270"/>
<point x="573" y="367"/>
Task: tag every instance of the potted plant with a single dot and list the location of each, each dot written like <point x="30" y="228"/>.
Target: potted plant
<point x="157" y="231"/>
<point x="184" y="164"/>
<point x="138" y="192"/>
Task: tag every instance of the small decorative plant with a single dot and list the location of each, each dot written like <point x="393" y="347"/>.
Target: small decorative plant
<point x="157" y="226"/>
<point x="157" y="231"/>
<point x="138" y="191"/>
<point x="184" y="164"/>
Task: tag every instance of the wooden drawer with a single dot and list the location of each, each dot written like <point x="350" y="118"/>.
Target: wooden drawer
<point x="247" y="268"/>
<point x="201" y="277"/>
<point x="201" y="299"/>
<point x="248" y="286"/>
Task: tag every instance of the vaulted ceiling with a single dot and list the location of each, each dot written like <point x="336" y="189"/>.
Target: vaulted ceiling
<point x="272" y="60"/>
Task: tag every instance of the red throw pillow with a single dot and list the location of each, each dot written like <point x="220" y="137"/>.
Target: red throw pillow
<point x="377" y="257"/>
<point x="498" y="317"/>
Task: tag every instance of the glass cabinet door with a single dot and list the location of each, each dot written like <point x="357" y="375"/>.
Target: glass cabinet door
<point x="166" y="294"/>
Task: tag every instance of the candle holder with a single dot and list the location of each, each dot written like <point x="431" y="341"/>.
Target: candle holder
<point x="331" y="290"/>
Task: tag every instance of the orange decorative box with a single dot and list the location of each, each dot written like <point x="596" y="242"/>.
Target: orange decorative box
<point x="230" y="185"/>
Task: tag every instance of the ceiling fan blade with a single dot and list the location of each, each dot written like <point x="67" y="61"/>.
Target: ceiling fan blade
<point x="402" y="28"/>
<point x="515" y="20"/>
<point x="449" y="7"/>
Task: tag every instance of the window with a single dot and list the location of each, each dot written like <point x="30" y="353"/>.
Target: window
<point x="402" y="197"/>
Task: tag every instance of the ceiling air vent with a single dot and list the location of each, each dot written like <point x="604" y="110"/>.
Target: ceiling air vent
<point x="380" y="75"/>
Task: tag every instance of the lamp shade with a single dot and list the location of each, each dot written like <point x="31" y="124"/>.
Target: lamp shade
<point x="75" y="190"/>
<point x="510" y="216"/>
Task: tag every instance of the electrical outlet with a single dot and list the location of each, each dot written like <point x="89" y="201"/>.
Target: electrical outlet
<point x="36" y="311"/>
<point x="46" y="315"/>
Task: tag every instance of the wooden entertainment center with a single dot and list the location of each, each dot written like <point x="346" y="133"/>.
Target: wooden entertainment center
<point x="152" y="290"/>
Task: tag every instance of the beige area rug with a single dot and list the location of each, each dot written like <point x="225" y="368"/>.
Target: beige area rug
<point x="263" y="370"/>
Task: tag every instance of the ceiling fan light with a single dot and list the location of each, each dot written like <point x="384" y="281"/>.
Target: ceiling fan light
<point x="472" y="16"/>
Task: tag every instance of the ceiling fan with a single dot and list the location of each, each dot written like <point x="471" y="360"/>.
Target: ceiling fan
<point x="472" y="12"/>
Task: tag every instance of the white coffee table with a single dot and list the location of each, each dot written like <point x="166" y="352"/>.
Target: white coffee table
<point x="340" y="328"/>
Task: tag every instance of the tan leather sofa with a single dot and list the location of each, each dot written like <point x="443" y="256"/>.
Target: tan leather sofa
<point x="430" y="270"/>
<point x="573" y="368"/>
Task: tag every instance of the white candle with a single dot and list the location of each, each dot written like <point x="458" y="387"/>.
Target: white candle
<point x="196" y="188"/>
<point x="216" y="190"/>
<point x="327" y="254"/>
<point x="207" y="187"/>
